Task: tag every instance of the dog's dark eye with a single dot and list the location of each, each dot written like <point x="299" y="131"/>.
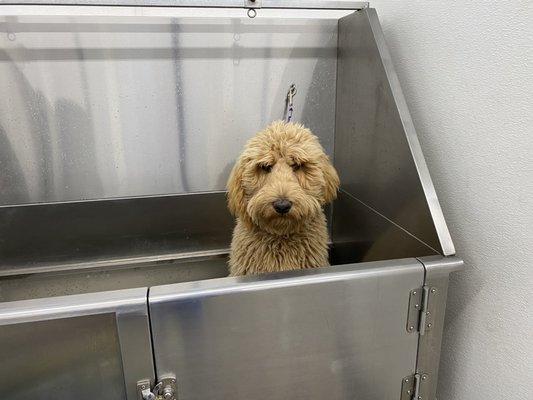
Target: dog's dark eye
<point x="266" y="168"/>
<point x="296" y="167"/>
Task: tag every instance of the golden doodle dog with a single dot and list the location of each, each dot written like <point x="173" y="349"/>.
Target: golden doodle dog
<point x="277" y="190"/>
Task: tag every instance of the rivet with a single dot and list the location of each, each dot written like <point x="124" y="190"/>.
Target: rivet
<point x="406" y="380"/>
<point x="424" y="377"/>
<point x="433" y="290"/>
<point x="143" y="387"/>
<point x="409" y="392"/>
<point x="427" y="312"/>
<point x="419" y="397"/>
<point x="251" y="13"/>
<point x="417" y="306"/>
<point x="430" y="325"/>
<point x="411" y="328"/>
<point x="414" y="293"/>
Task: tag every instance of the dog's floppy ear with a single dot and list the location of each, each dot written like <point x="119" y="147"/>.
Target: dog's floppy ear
<point x="331" y="179"/>
<point x="236" y="200"/>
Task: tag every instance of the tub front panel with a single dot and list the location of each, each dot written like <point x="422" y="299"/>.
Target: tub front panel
<point x="336" y="333"/>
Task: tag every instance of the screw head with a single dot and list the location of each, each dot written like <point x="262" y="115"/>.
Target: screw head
<point x="410" y="329"/>
<point x="417" y="306"/>
<point x="143" y="387"/>
<point x="424" y="377"/>
<point x="433" y="290"/>
<point x="427" y="313"/>
<point x="409" y="392"/>
<point x="406" y="380"/>
<point x="414" y="292"/>
<point x="430" y="325"/>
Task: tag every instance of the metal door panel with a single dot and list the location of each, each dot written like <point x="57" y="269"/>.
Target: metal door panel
<point x="335" y="333"/>
<point x="84" y="347"/>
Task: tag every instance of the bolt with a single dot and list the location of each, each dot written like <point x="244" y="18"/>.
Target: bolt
<point x="168" y="393"/>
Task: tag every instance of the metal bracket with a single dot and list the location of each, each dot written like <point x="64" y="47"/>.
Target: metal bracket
<point x="421" y="313"/>
<point x="253" y="3"/>
<point x="165" y="389"/>
<point x="144" y="390"/>
<point x="413" y="315"/>
<point x="412" y="386"/>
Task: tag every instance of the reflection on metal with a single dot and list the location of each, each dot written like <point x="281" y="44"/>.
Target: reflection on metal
<point x="331" y="333"/>
<point x="36" y="282"/>
<point x="66" y="235"/>
<point x="85" y="347"/>
<point x="360" y="232"/>
<point x="376" y="148"/>
<point x="101" y="107"/>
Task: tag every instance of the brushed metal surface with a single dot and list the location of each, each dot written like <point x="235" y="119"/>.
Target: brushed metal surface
<point x="112" y="230"/>
<point x="308" y="4"/>
<point x="114" y="106"/>
<point x="360" y="234"/>
<point x="377" y="152"/>
<point x="333" y="333"/>
<point x="34" y="283"/>
<point x="437" y="277"/>
<point x="74" y="358"/>
<point x="75" y="347"/>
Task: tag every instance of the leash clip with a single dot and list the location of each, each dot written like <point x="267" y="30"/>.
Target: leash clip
<point x="289" y="107"/>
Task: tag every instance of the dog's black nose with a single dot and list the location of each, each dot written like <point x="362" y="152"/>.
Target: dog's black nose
<point x="282" y="206"/>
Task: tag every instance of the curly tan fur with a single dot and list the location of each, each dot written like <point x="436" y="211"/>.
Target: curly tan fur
<point x="284" y="161"/>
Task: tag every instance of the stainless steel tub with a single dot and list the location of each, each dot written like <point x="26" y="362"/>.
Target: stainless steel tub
<point x="118" y="128"/>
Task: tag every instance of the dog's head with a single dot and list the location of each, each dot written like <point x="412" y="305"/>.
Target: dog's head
<point x="282" y="178"/>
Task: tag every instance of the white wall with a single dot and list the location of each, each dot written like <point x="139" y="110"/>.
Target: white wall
<point x="466" y="69"/>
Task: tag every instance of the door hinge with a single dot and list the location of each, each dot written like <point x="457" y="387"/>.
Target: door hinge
<point x="412" y="386"/>
<point x="421" y="312"/>
<point x="165" y="389"/>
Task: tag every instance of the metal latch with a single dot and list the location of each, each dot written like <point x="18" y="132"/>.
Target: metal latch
<point x="165" y="389"/>
<point x="412" y="386"/>
<point x="421" y="312"/>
